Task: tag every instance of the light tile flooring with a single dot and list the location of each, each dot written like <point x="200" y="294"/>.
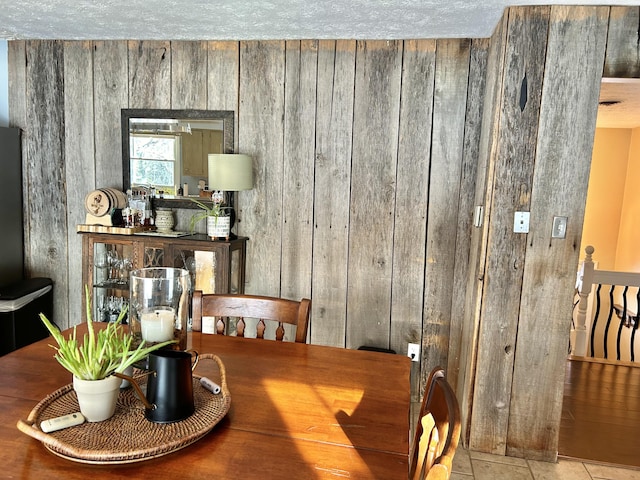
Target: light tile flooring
<point x="481" y="466"/>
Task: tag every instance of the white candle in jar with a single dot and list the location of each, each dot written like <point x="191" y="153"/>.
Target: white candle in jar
<point x="157" y="325"/>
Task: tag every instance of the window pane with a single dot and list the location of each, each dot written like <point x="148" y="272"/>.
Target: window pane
<point x="153" y="172"/>
<point x="149" y="146"/>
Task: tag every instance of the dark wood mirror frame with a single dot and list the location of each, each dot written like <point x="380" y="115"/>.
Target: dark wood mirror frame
<point x="227" y="117"/>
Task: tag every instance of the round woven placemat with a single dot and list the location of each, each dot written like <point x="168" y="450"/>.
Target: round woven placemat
<point x="127" y="436"/>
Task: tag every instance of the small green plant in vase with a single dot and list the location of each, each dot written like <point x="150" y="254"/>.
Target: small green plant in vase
<point x="97" y="360"/>
<point x="218" y="220"/>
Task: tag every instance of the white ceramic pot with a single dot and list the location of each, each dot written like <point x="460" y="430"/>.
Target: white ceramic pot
<point x="164" y="221"/>
<point x="97" y="398"/>
<point x="218" y="227"/>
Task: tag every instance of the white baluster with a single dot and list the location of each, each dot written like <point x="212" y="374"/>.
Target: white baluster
<point x="585" y="284"/>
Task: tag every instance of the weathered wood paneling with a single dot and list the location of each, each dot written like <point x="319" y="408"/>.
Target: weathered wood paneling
<point x="484" y="187"/>
<point x="449" y="106"/>
<point x="373" y="170"/>
<point x="559" y="187"/>
<point x="17" y="82"/>
<point x="79" y="148"/>
<point x="411" y="201"/>
<point x="623" y="48"/>
<point x="334" y="121"/>
<point x="149" y="74"/>
<point x="514" y="162"/>
<point x="464" y="268"/>
<point x="46" y="254"/>
<point x="299" y="143"/>
<point x="261" y="132"/>
<point x="189" y="75"/>
<point x="479" y="235"/>
<point x="223" y="62"/>
<point x="110" y="95"/>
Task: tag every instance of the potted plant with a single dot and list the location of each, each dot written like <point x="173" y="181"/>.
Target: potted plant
<point x="96" y="361"/>
<point x="218" y="220"/>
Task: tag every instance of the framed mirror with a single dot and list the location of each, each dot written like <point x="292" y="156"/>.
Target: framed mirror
<point x="168" y="149"/>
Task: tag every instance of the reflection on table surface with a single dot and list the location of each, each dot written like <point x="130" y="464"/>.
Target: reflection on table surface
<point x="318" y="412"/>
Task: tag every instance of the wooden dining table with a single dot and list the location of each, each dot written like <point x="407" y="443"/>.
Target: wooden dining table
<point x="297" y="411"/>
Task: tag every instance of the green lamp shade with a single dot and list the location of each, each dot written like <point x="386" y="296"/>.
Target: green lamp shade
<point x="231" y="172"/>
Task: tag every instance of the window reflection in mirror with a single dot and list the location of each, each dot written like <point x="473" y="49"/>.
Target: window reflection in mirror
<point x="166" y="149"/>
<point x="155" y="160"/>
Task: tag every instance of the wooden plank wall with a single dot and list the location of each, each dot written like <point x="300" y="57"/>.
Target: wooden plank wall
<point x="550" y="264"/>
<point x="346" y="178"/>
<point x="544" y="133"/>
<point x="369" y="157"/>
<point x="334" y="124"/>
<point x="513" y="161"/>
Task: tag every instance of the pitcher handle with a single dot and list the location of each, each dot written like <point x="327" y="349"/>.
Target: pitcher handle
<point x="141" y="395"/>
<point x="197" y="358"/>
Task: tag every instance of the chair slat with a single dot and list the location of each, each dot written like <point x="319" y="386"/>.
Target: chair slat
<point x="223" y="306"/>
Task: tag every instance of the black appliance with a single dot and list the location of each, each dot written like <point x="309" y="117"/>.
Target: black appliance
<point x="21" y="300"/>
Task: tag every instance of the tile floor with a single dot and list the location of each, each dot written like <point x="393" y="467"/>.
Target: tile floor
<point x="481" y="466"/>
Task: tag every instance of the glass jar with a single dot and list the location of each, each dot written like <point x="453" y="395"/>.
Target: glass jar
<point x="159" y="305"/>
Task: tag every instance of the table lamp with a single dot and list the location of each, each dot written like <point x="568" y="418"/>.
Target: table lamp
<point x="229" y="173"/>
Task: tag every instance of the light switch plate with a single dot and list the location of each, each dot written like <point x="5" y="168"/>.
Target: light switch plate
<point x="521" y="222"/>
<point x="559" y="229"/>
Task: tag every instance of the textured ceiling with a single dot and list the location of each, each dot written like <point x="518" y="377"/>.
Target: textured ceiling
<point x="256" y="19"/>
<point x="286" y="19"/>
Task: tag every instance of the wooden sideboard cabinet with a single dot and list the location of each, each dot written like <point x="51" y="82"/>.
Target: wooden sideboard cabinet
<point x="107" y="259"/>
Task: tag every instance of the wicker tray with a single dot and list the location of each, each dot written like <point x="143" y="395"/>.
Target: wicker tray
<point x="128" y="436"/>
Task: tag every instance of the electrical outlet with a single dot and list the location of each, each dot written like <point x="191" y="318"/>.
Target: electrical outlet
<point x="521" y="222"/>
<point x="413" y="352"/>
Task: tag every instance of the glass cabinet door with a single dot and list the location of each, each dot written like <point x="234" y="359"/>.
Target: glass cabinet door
<point x="215" y="267"/>
<point x="235" y="278"/>
<point x="112" y="263"/>
<point x="203" y="265"/>
<point x="153" y="256"/>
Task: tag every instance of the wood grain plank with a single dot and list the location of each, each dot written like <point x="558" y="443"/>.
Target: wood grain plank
<point x="17" y="81"/>
<point x="301" y="60"/>
<point x="622" y="58"/>
<point x="46" y="254"/>
<point x="223" y="72"/>
<point x="17" y="91"/>
<point x="79" y="147"/>
<point x="411" y="200"/>
<point x="223" y="75"/>
<point x="373" y="170"/>
<point x="334" y="121"/>
<point x="110" y="95"/>
<point x="189" y="75"/>
<point x="449" y="105"/>
<point x="514" y="163"/>
<point x="464" y="268"/>
<point x="478" y="244"/>
<point x="596" y="426"/>
<point x="149" y="74"/>
<point x="569" y="104"/>
<point x="260" y="117"/>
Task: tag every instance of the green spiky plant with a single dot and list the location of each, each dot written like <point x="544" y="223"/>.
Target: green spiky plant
<point x="215" y="210"/>
<point x="101" y="353"/>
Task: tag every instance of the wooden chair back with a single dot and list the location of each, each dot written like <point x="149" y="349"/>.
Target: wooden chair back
<point x="437" y="431"/>
<point x="223" y="306"/>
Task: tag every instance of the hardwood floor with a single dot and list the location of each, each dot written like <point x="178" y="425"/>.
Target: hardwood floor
<point x="601" y="413"/>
